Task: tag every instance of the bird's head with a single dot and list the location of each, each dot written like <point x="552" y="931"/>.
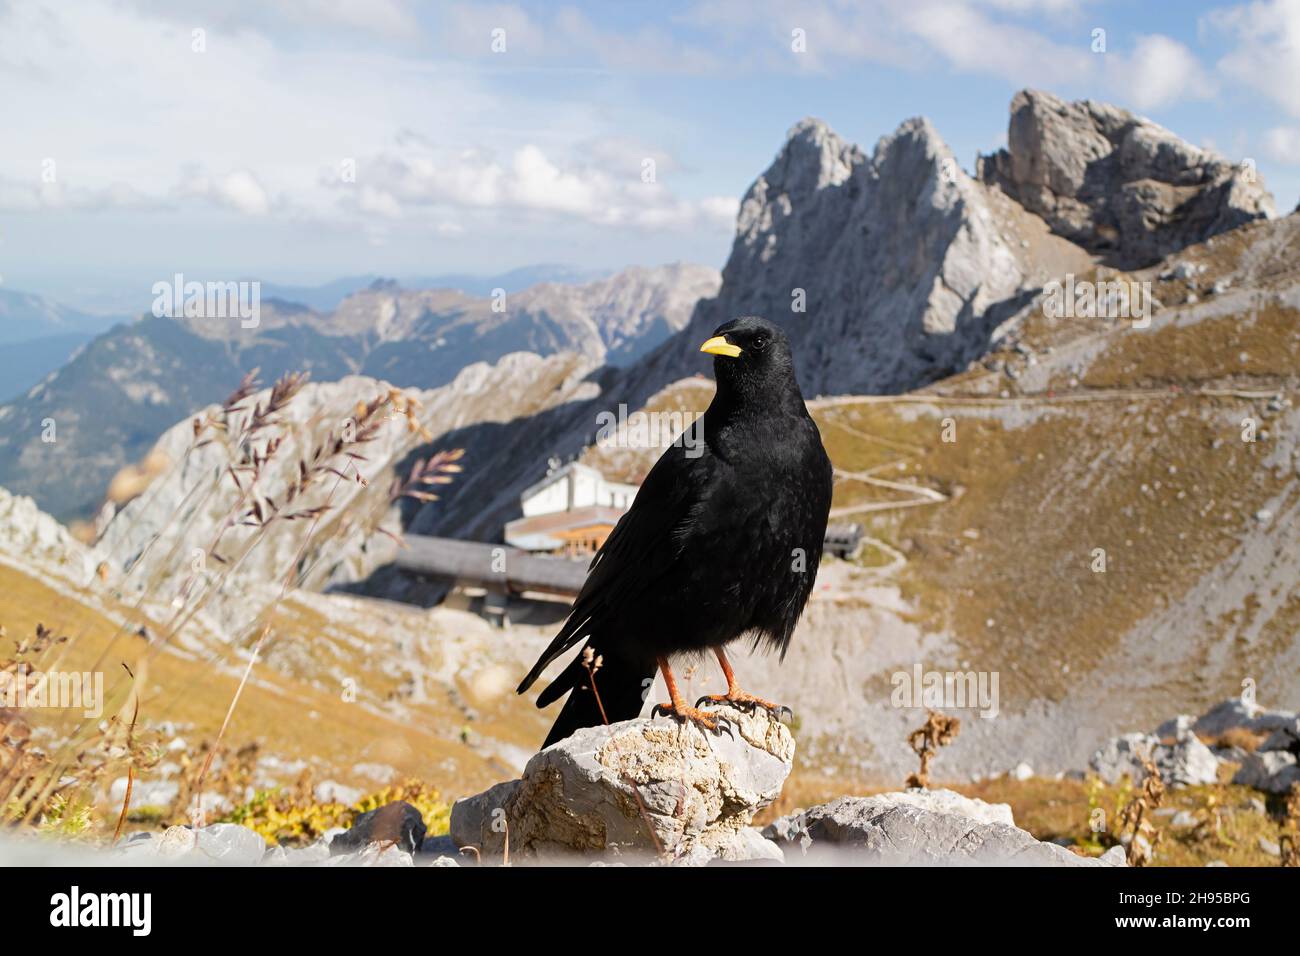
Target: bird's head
<point x="752" y="355"/>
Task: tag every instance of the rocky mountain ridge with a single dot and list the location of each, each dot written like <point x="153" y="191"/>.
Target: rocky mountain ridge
<point x="123" y="390"/>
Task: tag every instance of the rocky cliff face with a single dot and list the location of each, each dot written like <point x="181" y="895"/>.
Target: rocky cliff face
<point x="155" y="535"/>
<point x="1117" y="184"/>
<point x="887" y="269"/>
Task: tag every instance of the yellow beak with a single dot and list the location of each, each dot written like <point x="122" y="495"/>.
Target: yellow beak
<point x="718" y="345"/>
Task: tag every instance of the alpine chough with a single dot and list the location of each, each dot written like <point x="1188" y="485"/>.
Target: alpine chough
<point x="722" y="542"/>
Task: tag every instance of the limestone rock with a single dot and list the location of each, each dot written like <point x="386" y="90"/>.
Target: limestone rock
<point x="1286" y="737"/>
<point x="793" y="828"/>
<point x="887" y="268"/>
<point x="1118" y="184"/>
<point x="1120" y="755"/>
<point x="899" y="830"/>
<point x="1272" y="771"/>
<point x="1187" y="762"/>
<point x="640" y="789"/>
<point x="375" y="854"/>
<point x="229" y="844"/>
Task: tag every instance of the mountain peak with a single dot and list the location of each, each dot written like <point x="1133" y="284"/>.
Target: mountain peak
<point x="1117" y="184"/>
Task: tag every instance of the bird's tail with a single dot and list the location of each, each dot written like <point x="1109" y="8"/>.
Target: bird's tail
<point x="620" y="689"/>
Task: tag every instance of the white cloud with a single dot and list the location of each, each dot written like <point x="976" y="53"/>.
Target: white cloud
<point x="1266" y="51"/>
<point x="1158" y="72"/>
<point x="567" y="38"/>
<point x="974" y="42"/>
<point x="1282" y="145"/>
<point x="263" y="127"/>
<point x="391" y="19"/>
<point x="238" y="190"/>
<point x="531" y="182"/>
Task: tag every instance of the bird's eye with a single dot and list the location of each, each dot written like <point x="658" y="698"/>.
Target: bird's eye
<point x="759" y="343"/>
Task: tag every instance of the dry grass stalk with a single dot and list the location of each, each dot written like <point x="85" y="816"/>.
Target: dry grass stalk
<point x="1290" y="839"/>
<point x="1134" y="820"/>
<point x="939" y="730"/>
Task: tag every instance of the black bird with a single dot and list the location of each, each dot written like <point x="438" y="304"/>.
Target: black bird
<point x="723" y="540"/>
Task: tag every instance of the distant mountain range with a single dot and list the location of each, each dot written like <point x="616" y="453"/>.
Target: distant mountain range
<point x="37" y="335"/>
<point x="112" y="401"/>
<point x="327" y="296"/>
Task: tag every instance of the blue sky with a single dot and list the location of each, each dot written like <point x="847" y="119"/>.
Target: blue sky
<point x="308" y="139"/>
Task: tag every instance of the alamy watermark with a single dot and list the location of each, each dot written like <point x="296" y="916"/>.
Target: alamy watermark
<point x="80" y="690"/>
<point x="74" y="908"/>
<point x="621" y="429"/>
<point x="946" y="690"/>
<point x="1104" y="299"/>
<point x="209" y="300"/>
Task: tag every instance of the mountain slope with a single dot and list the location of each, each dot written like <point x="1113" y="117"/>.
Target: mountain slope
<point x="25" y="317"/>
<point x="1098" y="533"/>
<point x="124" y="389"/>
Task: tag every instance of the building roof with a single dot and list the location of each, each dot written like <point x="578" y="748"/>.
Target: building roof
<point x="538" y="533"/>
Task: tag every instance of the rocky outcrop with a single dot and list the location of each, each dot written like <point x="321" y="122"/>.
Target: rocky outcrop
<point x="1186" y="762"/>
<point x="1236" y="713"/>
<point x="650" y="791"/>
<point x="33" y="540"/>
<point x="918" y="828"/>
<point x="617" y="320"/>
<point x="1118" y="184"/>
<point x="1274" y="766"/>
<point x="1261" y="746"/>
<point x="1273" y="771"/>
<point x="185" y="507"/>
<point x="887" y="269"/>
<point x="639" y="791"/>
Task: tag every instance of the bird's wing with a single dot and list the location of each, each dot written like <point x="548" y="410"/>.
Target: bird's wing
<point x="643" y="545"/>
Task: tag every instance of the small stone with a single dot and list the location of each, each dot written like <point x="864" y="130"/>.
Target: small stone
<point x="177" y="841"/>
<point x="316" y="852"/>
<point x="1023" y="771"/>
<point x="275" y="857"/>
<point x="231" y="844"/>
<point x="376" y="854"/>
<point x="1269" y="847"/>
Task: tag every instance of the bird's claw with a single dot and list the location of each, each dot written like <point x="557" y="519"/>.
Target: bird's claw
<point x="748" y="702"/>
<point x="705" y="721"/>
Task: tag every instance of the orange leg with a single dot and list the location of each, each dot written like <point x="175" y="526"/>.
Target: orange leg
<point x="734" y="694"/>
<point x="677" y="706"/>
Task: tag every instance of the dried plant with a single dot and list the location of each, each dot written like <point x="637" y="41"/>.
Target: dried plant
<point x="434" y="470"/>
<point x="1290" y="840"/>
<point x="939" y="730"/>
<point x="1134" y="820"/>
